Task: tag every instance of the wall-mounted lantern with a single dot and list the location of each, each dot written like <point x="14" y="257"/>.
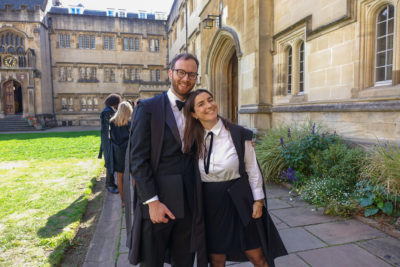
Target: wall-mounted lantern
<point x="208" y="22"/>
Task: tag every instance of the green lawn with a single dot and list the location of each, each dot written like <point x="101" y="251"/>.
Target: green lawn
<point x="45" y="180"/>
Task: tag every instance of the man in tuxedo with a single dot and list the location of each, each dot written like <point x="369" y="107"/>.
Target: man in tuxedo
<point x="166" y="208"/>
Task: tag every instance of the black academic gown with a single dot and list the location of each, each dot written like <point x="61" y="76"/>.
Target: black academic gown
<point x="242" y="198"/>
<point x="105" y="146"/>
<point x="155" y="116"/>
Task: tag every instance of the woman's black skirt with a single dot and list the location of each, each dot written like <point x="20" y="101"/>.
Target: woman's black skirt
<point x="225" y="231"/>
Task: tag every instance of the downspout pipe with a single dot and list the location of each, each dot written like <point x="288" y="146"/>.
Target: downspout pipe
<point x="49" y="24"/>
<point x="186" y="25"/>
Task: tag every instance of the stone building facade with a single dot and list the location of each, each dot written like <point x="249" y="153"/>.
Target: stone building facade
<point x="25" y="83"/>
<point x="272" y="62"/>
<point x="127" y="56"/>
<point x="60" y="66"/>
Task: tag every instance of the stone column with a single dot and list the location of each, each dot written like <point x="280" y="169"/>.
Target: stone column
<point x="31" y="101"/>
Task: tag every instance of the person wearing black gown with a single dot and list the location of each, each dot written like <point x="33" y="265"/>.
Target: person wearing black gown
<point x="119" y="135"/>
<point x="111" y="104"/>
<point x="237" y="224"/>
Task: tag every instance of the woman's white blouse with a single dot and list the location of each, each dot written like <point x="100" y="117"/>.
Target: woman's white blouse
<point x="224" y="161"/>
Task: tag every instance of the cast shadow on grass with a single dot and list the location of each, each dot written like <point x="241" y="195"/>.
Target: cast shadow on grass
<point x="74" y="212"/>
<point x="56" y="223"/>
<point x="24" y="136"/>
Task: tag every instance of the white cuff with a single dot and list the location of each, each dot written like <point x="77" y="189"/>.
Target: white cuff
<point x="258" y="193"/>
<point x="151" y="200"/>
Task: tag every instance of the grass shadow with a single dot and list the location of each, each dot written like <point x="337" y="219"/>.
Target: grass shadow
<point x="25" y="136"/>
<point x="56" y="223"/>
<point x="73" y="252"/>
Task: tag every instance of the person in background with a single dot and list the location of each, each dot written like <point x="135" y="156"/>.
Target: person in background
<point x="111" y="105"/>
<point x="119" y="133"/>
<point x="237" y="224"/>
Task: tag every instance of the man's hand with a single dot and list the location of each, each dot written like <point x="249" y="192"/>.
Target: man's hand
<point x="159" y="212"/>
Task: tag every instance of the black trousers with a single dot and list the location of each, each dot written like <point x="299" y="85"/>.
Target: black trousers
<point x="109" y="178"/>
<point x="174" y="237"/>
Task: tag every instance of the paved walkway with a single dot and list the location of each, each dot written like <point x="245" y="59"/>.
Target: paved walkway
<point x="311" y="238"/>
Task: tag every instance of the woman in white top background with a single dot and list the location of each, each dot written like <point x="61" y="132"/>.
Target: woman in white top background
<point x="237" y="224"/>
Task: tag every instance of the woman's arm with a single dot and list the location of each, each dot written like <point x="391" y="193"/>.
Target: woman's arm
<point x="255" y="178"/>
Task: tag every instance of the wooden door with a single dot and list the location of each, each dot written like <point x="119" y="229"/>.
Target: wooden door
<point x="233" y="88"/>
<point x="9" y="97"/>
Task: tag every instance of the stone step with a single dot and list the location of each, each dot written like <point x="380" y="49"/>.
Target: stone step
<point x="14" y="123"/>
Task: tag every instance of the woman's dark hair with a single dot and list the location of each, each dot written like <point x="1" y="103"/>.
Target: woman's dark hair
<point x="113" y="100"/>
<point x="184" y="56"/>
<point x="194" y="131"/>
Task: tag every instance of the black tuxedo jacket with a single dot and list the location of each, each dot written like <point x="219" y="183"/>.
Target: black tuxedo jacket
<point x="157" y="162"/>
<point x="159" y="168"/>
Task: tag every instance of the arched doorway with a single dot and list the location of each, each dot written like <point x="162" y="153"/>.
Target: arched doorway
<point x="12" y="97"/>
<point x="222" y="71"/>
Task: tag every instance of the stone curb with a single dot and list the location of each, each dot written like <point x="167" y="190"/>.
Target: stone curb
<point x="102" y="250"/>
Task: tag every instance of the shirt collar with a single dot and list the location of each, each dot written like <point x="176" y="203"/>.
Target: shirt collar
<point x="172" y="98"/>
<point x="216" y="130"/>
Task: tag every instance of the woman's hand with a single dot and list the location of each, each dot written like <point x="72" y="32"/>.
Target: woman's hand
<point x="257" y="208"/>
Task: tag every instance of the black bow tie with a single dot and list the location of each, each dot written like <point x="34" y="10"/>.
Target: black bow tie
<point x="180" y="104"/>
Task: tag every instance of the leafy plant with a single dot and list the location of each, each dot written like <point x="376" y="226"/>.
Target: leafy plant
<point x="268" y="148"/>
<point x="298" y="153"/>
<point x="373" y="199"/>
<point x="338" y="161"/>
<point x="269" y="155"/>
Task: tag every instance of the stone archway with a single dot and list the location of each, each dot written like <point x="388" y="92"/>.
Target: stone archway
<point x="12" y="97"/>
<point x="222" y="71"/>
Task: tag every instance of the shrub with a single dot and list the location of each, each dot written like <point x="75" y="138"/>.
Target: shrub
<point x="298" y="153"/>
<point x="334" y="175"/>
<point x="338" y="161"/>
<point x="269" y="155"/>
<point x="268" y="149"/>
<point x="384" y="169"/>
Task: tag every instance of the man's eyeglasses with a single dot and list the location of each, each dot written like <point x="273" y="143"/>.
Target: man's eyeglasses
<point x="182" y="73"/>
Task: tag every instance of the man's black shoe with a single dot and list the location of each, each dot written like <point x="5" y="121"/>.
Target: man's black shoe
<point x="112" y="189"/>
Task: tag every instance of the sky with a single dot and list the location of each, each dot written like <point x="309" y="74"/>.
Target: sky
<point x="129" y="5"/>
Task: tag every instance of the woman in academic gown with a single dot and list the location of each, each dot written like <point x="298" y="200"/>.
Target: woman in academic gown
<point x="237" y="224"/>
<point x="119" y="135"/>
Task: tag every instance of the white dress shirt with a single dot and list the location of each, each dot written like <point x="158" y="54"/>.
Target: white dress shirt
<point x="224" y="161"/>
<point x="178" y="114"/>
<point x="180" y="123"/>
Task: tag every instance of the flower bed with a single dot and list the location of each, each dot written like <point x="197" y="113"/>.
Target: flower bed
<point x="328" y="173"/>
<point x="32" y="121"/>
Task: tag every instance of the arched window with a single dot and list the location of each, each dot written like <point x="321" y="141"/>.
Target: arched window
<point x="384" y="45"/>
<point x="11" y="43"/>
<point x="301" y="67"/>
<point x="289" y="58"/>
